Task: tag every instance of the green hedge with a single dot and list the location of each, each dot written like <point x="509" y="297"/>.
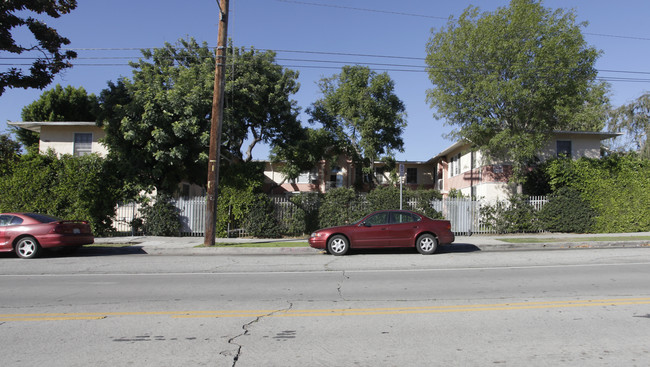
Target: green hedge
<point x="343" y="206"/>
<point x="73" y="188"/>
<point x="616" y="187"/>
<point x="567" y="211"/>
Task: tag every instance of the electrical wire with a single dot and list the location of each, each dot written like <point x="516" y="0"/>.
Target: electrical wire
<point x="325" y="64"/>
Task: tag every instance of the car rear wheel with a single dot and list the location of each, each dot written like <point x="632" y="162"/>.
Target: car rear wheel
<point x="338" y="245"/>
<point x="28" y="248"/>
<point x="426" y="244"/>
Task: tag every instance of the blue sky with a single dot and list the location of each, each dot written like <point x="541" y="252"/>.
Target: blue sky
<point x="324" y="35"/>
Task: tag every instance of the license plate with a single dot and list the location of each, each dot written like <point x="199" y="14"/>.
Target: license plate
<point x="76" y="230"/>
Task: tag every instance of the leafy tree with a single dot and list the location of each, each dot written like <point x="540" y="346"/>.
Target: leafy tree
<point x="157" y="124"/>
<point x="258" y="105"/>
<point x="634" y="120"/>
<point x="362" y="113"/>
<point x="9" y="153"/>
<point x="593" y="114"/>
<point x="303" y="153"/>
<point x="507" y="79"/>
<point x="57" y="104"/>
<point x="50" y="60"/>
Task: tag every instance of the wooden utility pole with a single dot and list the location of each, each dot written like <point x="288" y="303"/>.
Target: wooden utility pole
<point x="215" y="126"/>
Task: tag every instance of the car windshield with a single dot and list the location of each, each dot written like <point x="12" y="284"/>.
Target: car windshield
<point x="42" y="218"/>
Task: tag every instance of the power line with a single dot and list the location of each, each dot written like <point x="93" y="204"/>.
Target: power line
<point x="363" y="9"/>
<point x="618" y="36"/>
<point x="307" y="63"/>
<point x="435" y="17"/>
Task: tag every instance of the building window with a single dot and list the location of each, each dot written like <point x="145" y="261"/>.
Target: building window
<point x="306" y="177"/>
<point x="454" y="165"/>
<point x="336" y="177"/>
<point x="380" y="174"/>
<point x="564" y="148"/>
<point x="412" y="175"/>
<point x="83" y="143"/>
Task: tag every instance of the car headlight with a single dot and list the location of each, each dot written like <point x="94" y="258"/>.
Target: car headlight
<point x="315" y="234"/>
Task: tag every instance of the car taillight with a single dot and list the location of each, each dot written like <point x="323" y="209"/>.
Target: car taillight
<point x="71" y="228"/>
<point x="58" y="229"/>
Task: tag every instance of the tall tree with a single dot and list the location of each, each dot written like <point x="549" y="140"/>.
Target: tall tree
<point x="305" y="151"/>
<point x="9" y="153"/>
<point x="507" y="79"/>
<point x="634" y="120"/>
<point x="157" y="123"/>
<point x="258" y="104"/>
<point x="49" y="57"/>
<point x="362" y="113"/>
<point x="57" y="104"/>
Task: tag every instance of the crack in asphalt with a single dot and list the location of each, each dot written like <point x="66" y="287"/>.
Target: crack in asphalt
<point x="340" y="285"/>
<point x="245" y="328"/>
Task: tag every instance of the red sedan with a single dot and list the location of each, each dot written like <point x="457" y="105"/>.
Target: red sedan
<point x="28" y="233"/>
<point x="385" y="228"/>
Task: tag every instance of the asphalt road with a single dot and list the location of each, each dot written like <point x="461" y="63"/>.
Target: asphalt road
<point x="534" y="308"/>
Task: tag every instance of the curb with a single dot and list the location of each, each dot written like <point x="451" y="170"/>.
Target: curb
<point x="457" y="247"/>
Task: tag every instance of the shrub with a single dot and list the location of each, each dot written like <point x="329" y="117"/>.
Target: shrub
<point x="162" y="218"/>
<point x="260" y="221"/>
<point x="304" y="216"/>
<point x="423" y="199"/>
<point x="514" y="215"/>
<point x="340" y="206"/>
<point x="567" y="211"/>
<point x="239" y="187"/>
<point x="383" y="198"/>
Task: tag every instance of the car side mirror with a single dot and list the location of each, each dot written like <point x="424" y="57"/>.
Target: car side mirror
<point x="366" y="224"/>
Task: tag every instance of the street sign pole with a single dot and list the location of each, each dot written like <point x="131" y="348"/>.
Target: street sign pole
<point x="401" y="179"/>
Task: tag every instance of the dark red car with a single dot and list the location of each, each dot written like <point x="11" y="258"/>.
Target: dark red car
<point x="28" y="233"/>
<point x="385" y="228"/>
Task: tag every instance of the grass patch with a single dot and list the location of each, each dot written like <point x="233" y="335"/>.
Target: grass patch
<point x="576" y="239"/>
<point x="261" y="244"/>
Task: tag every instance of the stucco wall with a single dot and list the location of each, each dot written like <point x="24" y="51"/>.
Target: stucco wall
<point x="580" y="147"/>
<point x="61" y="139"/>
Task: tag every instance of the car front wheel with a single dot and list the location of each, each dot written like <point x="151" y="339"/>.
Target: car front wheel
<point x="28" y="248"/>
<point x="338" y="245"/>
<point x="426" y="244"/>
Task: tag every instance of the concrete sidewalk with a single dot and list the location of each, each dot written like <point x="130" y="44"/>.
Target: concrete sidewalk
<point x="188" y="245"/>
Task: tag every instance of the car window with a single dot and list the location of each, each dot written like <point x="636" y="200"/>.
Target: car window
<point x="42" y="218"/>
<point x="378" y="219"/>
<point x="400" y="217"/>
<point x="16" y="221"/>
<point x="5" y="220"/>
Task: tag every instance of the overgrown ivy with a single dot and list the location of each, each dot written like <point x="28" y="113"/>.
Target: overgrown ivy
<point x="72" y="188"/>
<point x="617" y="187"/>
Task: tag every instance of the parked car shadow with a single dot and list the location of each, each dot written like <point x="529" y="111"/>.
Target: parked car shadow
<point x="444" y="249"/>
<point x="457" y="248"/>
<point x="87" y="251"/>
